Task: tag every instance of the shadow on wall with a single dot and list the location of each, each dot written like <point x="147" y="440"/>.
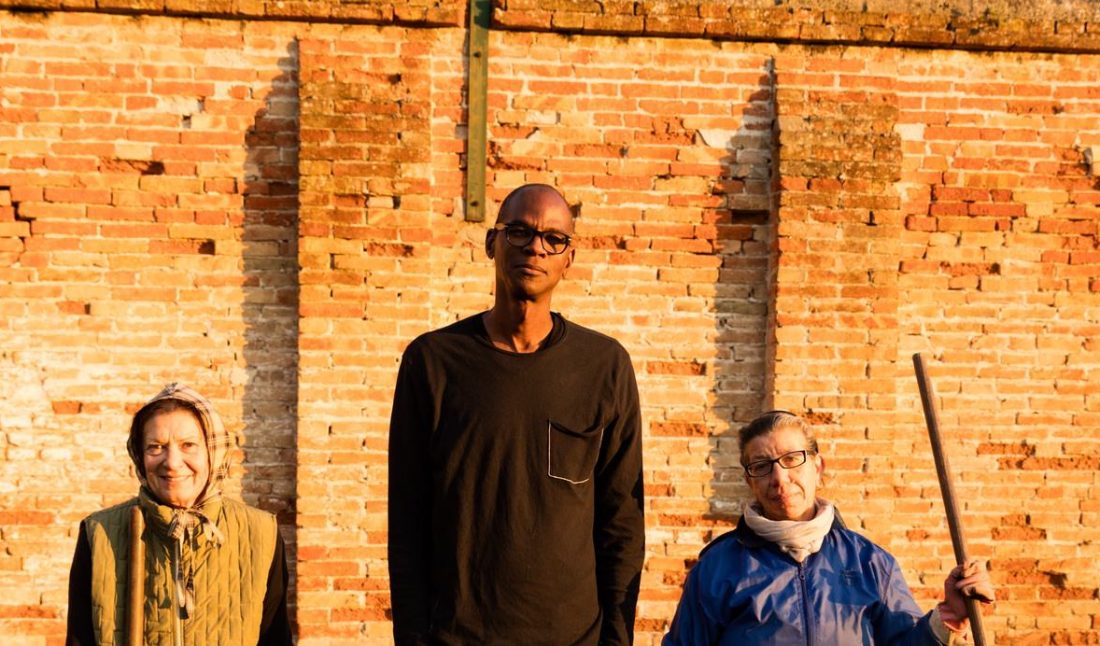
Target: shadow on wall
<point x="743" y="293"/>
<point x="270" y="311"/>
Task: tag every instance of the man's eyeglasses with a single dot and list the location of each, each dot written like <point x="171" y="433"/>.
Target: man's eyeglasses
<point x="761" y="468"/>
<point x="518" y="235"/>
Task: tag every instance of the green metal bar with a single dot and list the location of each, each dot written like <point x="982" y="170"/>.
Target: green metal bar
<point x="476" y="109"/>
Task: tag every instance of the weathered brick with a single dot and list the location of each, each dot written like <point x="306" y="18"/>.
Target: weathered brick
<point x="290" y="244"/>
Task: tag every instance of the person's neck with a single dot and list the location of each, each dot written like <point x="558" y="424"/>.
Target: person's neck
<point x="518" y="326"/>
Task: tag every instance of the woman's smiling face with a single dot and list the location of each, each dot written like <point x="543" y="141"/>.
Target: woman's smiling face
<point x="177" y="465"/>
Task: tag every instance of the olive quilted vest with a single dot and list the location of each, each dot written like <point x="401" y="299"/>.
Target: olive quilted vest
<point x="230" y="580"/>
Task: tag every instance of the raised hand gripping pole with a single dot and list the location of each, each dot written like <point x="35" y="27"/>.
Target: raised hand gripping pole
<point x="135" y="590"/>
<point x="954" y="524"/>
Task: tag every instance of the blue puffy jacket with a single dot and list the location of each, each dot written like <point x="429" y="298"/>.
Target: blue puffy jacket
<point x="745" y="591"/>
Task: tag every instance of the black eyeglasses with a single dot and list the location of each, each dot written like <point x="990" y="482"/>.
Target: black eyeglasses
<point x="518" y="235"/>
<point x="761" y="468"/>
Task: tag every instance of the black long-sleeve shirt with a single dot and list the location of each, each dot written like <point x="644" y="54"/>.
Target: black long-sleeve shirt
<point x="80" y="631"/>
<point x="515" y="495"/>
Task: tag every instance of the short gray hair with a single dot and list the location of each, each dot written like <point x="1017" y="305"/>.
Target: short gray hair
<point x="772" y="421"/>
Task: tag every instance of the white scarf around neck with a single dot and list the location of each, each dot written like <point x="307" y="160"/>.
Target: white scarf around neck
<point x="799" y="538"/>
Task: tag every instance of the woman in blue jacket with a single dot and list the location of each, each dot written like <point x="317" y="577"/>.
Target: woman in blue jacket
<point x="792" y="573"/>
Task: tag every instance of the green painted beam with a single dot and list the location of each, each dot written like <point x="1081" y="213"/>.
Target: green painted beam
<point x="477" y="89"/>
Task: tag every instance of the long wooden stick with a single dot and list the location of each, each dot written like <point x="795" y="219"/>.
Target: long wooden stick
<point x="135" y="592"/>
<point x="947" y="489"/>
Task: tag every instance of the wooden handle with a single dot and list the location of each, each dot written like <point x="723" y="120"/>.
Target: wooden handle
<point x="947" y="488"/>
<point x="135" y="591"/>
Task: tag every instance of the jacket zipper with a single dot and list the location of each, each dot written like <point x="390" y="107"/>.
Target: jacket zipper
<point x="805" y="604"/>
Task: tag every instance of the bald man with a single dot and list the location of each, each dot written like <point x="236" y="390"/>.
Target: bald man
<point x="515" y="495"/>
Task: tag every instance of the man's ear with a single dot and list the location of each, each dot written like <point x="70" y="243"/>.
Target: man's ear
<point x="571" y="254"/>
<point x="490" y="237"/>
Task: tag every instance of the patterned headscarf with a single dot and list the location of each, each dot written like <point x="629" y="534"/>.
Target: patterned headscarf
<point x="213" y="431"/>
<point x="200" y="519"/>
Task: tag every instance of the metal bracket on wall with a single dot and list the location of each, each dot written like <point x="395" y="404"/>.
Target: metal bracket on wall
<point x="476" y="109"/>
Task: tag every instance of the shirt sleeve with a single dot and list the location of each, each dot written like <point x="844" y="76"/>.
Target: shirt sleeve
<point x="409" y="547"/>
<point x="694" y="623"/>
<point x="79" y="630"/>
<point x="619" y="531"/>
<point x="275" y="624"/>
<point x="900" y="621"/>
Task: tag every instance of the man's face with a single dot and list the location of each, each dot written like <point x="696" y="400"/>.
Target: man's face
<point x="531" y="272"/>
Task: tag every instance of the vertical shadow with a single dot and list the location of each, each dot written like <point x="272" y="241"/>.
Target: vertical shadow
<point x="270" y="311"/>
<point x="743" y="293"/>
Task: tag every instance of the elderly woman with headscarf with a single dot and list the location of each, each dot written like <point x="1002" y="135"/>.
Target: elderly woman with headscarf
<point x="793" y="573"/>
<point x="215" y="568"/>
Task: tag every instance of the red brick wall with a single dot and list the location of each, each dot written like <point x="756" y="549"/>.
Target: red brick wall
<point x="271" y="210"/>
<point x="672" y="211"/>
<point x="960" y="221"/>
<point x="366" y="272"/>
<point x="148" y="232"/>
<point x="999" y="271"/>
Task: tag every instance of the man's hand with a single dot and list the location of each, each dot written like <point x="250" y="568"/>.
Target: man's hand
<point x="969" y="580"/>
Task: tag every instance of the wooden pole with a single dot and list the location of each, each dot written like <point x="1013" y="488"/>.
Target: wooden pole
<point x="135" y="591"/>
<point x="947" y="489"/>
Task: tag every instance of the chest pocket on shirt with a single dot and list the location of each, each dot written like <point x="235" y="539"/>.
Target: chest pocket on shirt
<point x="571" y="455"/>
